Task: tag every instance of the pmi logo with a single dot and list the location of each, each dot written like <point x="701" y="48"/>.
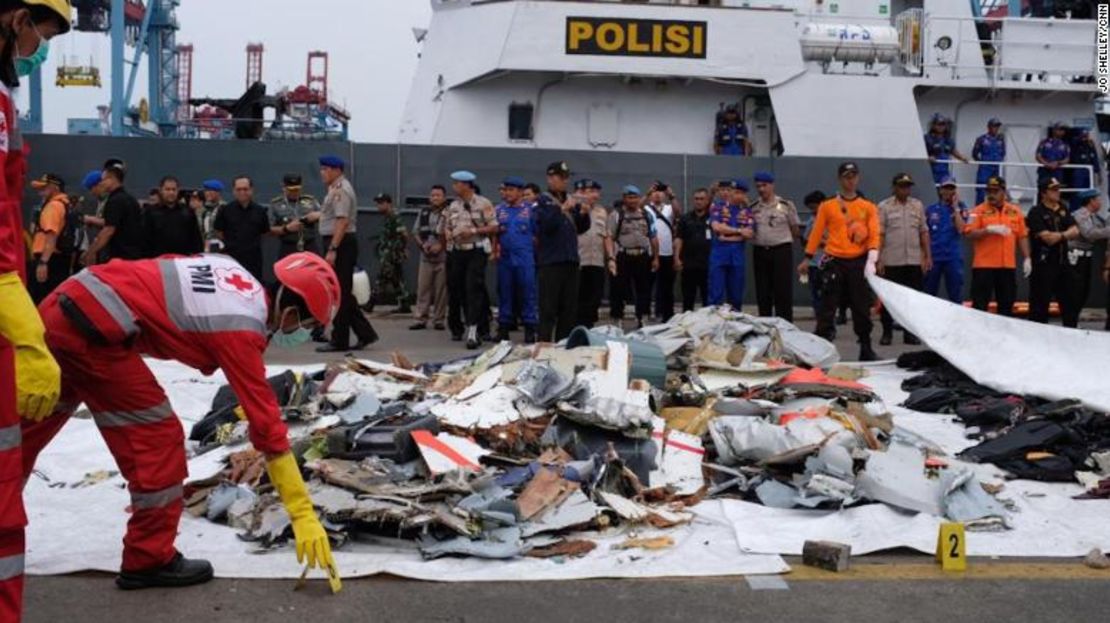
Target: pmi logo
<point x="636" y="37"/>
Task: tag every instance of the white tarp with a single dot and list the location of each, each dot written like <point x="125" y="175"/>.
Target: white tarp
<point x="1006" y="354"/>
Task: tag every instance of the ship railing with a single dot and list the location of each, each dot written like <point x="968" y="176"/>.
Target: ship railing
<point x="1025" y="171"/>
<point x="999" y="49"/>
<point x="286" y="129"/>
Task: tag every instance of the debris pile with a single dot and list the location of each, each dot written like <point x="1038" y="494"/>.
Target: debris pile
<point x="537" y="450"/>
<point x="1029" y="437"/>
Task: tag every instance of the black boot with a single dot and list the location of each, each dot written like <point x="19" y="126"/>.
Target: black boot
<point x="419" y="326"/>
<point x="842" y="318"/>
<point x="529" y="334"/>
<point x="911" y="339"/>
<point x="866" y="353"/>
<point x="887" y="338"/>
<point x="472" y="341"/>
<point x="503" y="334"/>
<point x="178" y="572"/>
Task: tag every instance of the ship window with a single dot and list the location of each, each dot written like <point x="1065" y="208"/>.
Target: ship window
<point x="520" y="121"/>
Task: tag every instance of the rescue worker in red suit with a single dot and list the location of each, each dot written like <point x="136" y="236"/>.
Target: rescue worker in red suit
<point x="28" y="374"/>
<point x="209" y="313"/>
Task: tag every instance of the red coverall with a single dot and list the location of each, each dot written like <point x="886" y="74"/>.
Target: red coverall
<point x="12" y="518"/>
<point x="206" y="312"/>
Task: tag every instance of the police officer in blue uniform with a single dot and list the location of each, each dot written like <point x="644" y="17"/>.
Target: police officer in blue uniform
<point x="946" y="219"/>
<point x="940" y="146"/>
<point x="733" y="225"/>
<point x="732" y="135"/>
<point x="989" y="147"/>
<point x="1083" y="151"/>
<point x="516" y="262"/>
<point x="1052" y="152"/>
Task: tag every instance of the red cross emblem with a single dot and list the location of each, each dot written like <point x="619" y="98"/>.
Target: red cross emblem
<point x="237" y="281"/>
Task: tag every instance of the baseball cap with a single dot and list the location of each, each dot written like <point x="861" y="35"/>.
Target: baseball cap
<point x="902" y="179"/>
<point x="947" y="180"/>
<point x="559" y="168"/>
<point x="847" y="167"/>
<point x="1051" y="183"/>
<point x="292" y="180"/>
<point x="592" y="184"/>
<point x="994" y="121"/>
<point x="995" y="181"/>
<point x="383" y="198"/>
<point x="49" y="178"/>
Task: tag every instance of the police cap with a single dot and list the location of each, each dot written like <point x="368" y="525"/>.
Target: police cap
<point x="995" y="181"/>
<point x="47" y="179"/>
<point x="215" y="185"/>
<point x="847" y="167"/>
<point x="902" y="179"/>
<point x="292" y="180"/>
<point x="559" y="168"/>
<point x="632" y="190"/>
<point x="464" y="176"/>
<point x="92" y="178"/>
<point x="383" y="198"/>
<point x="947" y="181"/>
<point x="764" y="177"/>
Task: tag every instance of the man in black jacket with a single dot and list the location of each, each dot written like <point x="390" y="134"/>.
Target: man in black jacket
<point x="241" y="225"/>
<point x="559" y="220"/>
<point x="169" y="226"/>
<point x="123" y="219"/>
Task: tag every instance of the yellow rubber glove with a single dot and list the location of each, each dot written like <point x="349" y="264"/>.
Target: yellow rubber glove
<point x="38" y="380"/>
<point x="313" y="547"/>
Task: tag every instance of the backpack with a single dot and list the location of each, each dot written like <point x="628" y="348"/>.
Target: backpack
<point x="69" y="239"/>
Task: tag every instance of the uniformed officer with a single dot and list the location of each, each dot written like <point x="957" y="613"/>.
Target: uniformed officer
<point x="777" y="228"/>
<point x="906" y="253"/>
<point x="1093" y="226"/>
<point x="989" y="147"/>
<point x="940" y="146"/>
<point x="516" y="262"/>
<point x="560" y="219"/>
<point x="996" y="228"/>
<point x="1051" y="227"/>
<point x="468" y="224"/>
<point x="431" y="279"/>
<point x="732" y="135"/>
<point x="1083" y="152"/>
<point x="213" y="201"/>
<point x="733" y="225"/>
<point x="946" y="219"/>
<point x="1052" y="152"/>
<point x="591" y="254"/>
<point x="633" y="250"/>
<point x="293" y="218"/>
<point x="392" y="252"/>
<point x="848" y="224"/>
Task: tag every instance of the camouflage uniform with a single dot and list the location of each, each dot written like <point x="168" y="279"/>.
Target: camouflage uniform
<point x="392" y="253"/>
<point x="283" y="211"/>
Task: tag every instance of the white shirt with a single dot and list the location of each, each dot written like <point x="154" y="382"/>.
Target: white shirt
<point x="663" y="231"/>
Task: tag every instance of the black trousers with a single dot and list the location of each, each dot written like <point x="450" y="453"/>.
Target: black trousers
<point x="664" y="288"/>
<point x="845" y="278"/>
<point x="1001" y="283"/>
<point x="466" y="278"/>
<point x="311" y="245"/>
<point x="909" y="276"/>
<point x="58" y="269"/>
<point x="349" y="317"/>
<point x="591" y="286"/>
<point x="558" y="300"/>
<point x="694" y="280"/>
<point x="1052" y="281"/>
<point x="632" y="284"/>
<point x="774" y="280"/>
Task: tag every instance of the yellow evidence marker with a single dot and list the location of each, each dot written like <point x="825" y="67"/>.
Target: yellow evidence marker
<point x="951" y="547"/>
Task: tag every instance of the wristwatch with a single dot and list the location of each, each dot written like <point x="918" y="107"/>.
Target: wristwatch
<point x="333" y="248"/>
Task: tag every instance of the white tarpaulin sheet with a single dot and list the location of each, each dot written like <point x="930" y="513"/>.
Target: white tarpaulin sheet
<point x="1006" y="354"/>
<point x="77" y="529"/>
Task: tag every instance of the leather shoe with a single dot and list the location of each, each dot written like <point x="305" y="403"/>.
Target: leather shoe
<point x="911" y="339"/>
<point x="180" y="571"/>
<point x="332" y="348"/>
<point x="866" y="354"/>
<point x="439" y="326"/>
<point x="420" y="326"/>
<point x="886" y="339"/>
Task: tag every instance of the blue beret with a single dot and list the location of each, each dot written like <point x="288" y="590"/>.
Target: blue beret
<point x="215" y="185"/>
<point x="763" y="177"/>
<point x="464" y="176"/>
<point x="92" y="179"/>
<point x="740" y="184"/>
<point x="514" y="181"/>
<point x="632" y="190"/>
<point x="333" y="162"/>
<point x="1086" y="195"/>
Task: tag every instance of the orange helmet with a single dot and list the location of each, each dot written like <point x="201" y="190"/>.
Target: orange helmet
<point x="309" y="276"/>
